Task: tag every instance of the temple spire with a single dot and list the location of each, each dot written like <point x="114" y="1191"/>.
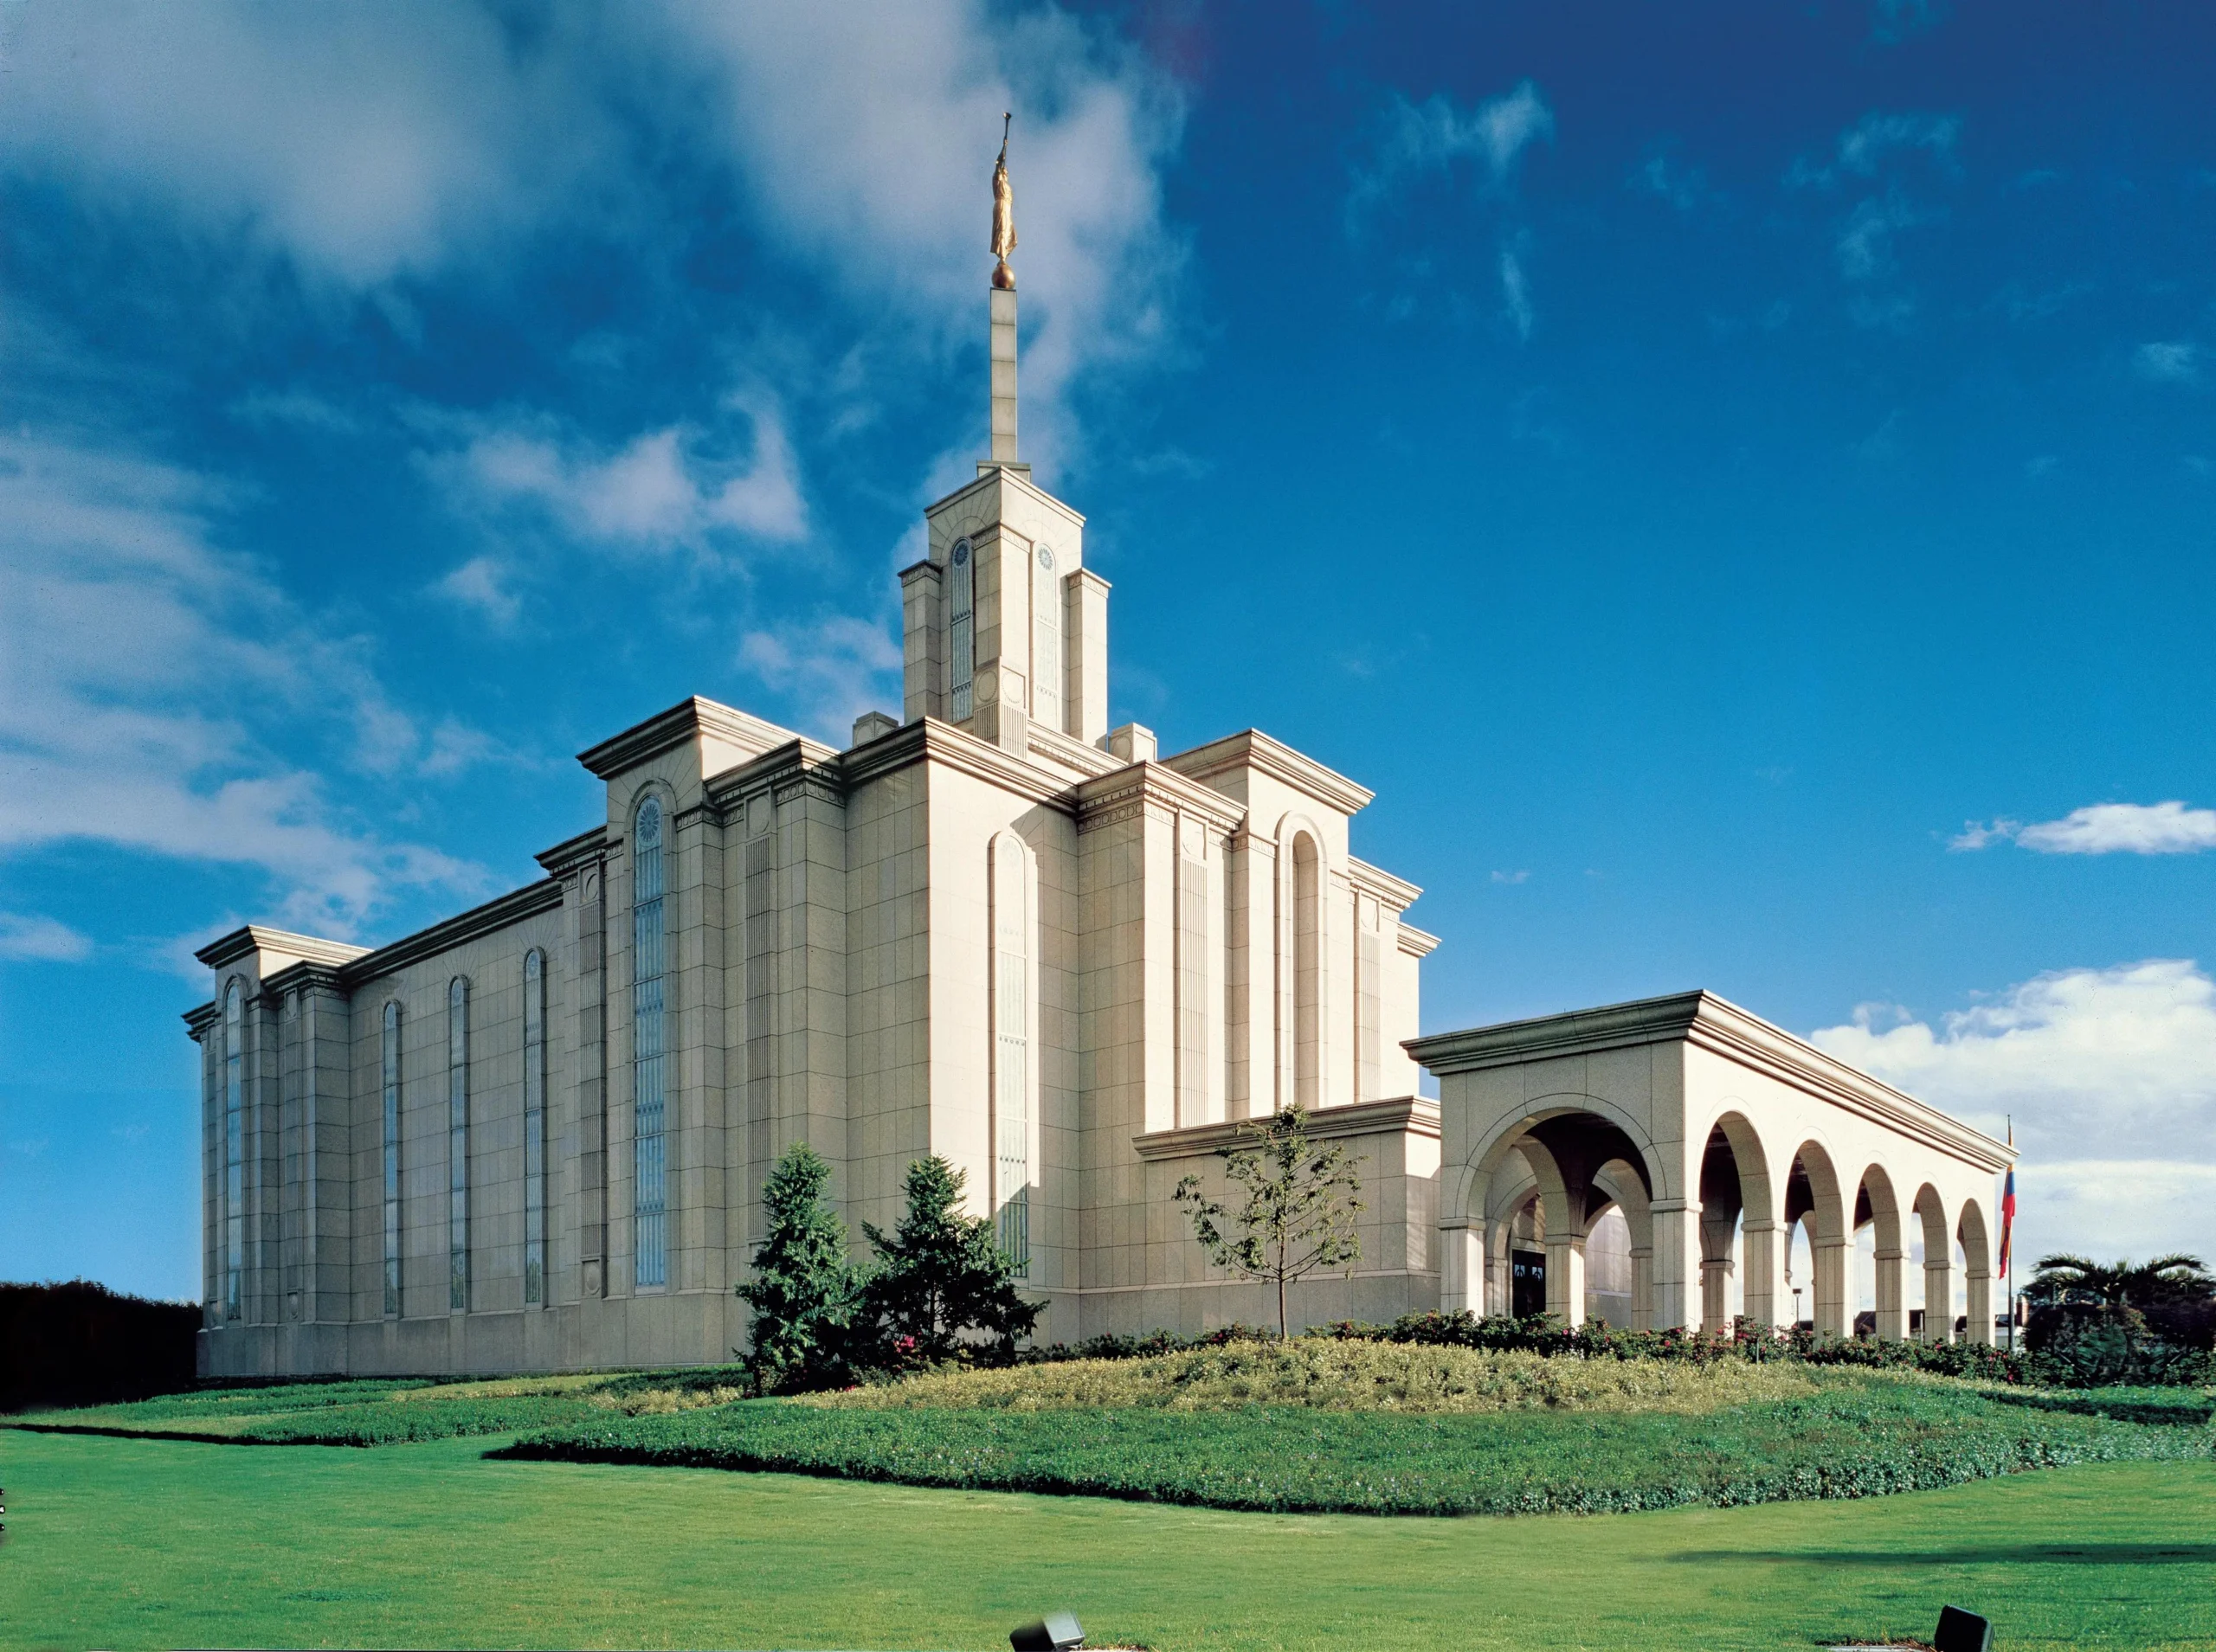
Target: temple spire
<point x="1000" y="308"/>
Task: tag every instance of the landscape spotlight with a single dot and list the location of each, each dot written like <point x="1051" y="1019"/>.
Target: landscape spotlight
<point x="1961" y="1631"/>
<point x="1056" y="1632"/>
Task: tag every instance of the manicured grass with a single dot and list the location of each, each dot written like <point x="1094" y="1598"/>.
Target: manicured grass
<point x="130" y="1543"/>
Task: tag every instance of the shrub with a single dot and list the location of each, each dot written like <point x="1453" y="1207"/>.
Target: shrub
<point x="941" y="1277"/>
<point x="805" y="1293"/>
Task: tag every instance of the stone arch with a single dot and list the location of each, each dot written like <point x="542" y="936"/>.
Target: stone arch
<point x="1618" y="1183"/>
<point x="1977" y="1269"/>
<point x="1812" y="1191"/>
<point x="1931" y="1209"/>
<point x="1758" y="1212"/>
<point x="1877" y="1204"/>
<point x="1564" y="1140"/>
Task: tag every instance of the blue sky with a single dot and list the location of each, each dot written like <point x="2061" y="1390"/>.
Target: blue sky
<point x="1738" y="481"/>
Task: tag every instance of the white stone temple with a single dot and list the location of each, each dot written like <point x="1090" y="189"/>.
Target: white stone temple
<point x="534" y="1137"/>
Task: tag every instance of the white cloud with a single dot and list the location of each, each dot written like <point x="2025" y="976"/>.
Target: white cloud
<point x="866" y="136"/>
<point x="144" y="674"/>
<point x="832" y="671"/>
<point x="1519" y="877"/>
<point x="482" y="584"/>
<point x="662" y="490"/>
<point x="2103" y="1070"/>
<point x="2168" y="828"/>
<point x="1516" y="291"/>
<point x="27" y="938"/>
<point x="1431" y="136"/>
<point x="2170" y="364"/>
<point x="1864" y="147"/>
<point x="358" y="142"/>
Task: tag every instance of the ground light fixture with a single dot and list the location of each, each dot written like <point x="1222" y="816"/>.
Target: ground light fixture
<point x="1056" y="1632"/>
<point x="1961" y="1631"/>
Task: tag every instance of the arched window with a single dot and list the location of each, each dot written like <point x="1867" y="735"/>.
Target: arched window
<point x="1010" y="1008"/>
<point x="458" y="1144"/>
<point x="651" y="1163"/>
<point x="962" y="629"/>
<point x="233" y="1152"/>
<point x="534" y="1126"/>
<point x="390" y="1053"/>
<point x="1307" y="971"/>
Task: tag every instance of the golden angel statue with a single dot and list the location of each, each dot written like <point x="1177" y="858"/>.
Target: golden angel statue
<point x="1003" y="212"/>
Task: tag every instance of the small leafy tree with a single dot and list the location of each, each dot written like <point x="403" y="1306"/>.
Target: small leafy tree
<point x="940" y="1275"/>
<point x="805" y="1293"/>
<point x="1297" y="1203"/>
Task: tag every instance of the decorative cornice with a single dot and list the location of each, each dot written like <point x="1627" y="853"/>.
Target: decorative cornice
<point x="1416" y="1114"/>
<point x="545" y="895"/>
<point x="305" y="977"/>
<point x="202" y="1017"/>
<point x="1722" y="1028"/>
<point x="573" y="854"/>
<point x="1112" y="797"/>
<point x="1056" y="747"/>
<point x="1417" y="943"/>
<point x="1252" y="749"/>
<point x="226" y="949"/>
<point x="1395" y="892"/>
<point x="687" y="720"/>
<point x="928" y="740"/>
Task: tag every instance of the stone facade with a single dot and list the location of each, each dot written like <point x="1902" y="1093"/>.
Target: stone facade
<point x="993" y="929"/>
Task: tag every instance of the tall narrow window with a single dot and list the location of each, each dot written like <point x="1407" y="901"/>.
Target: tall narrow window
<point x="648" y="1060"/>
<point x="233" y="1152"/>
<point x="1307" y="971"/>
<point x="391" y="1137"/>
<point x="1011" y="1011"/>
<point x="458" y="1144"/>
<point x="961" y="630"/>
<point x="534" y="1126"/>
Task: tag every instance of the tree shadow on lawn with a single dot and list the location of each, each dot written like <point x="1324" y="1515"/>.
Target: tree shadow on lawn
<point x="2082" y="1554"/>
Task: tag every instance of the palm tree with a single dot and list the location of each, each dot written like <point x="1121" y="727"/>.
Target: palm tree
<point x="2177" y="1278"/>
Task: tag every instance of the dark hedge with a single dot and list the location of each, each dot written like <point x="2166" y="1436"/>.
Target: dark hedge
<point x="82" y="1344"/>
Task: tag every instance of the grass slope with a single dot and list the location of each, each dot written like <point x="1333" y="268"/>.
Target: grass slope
<point x="1856" y="1436"/>
<point x="143" y="1543"/>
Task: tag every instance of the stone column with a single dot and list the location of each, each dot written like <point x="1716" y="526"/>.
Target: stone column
<point x="1979" y="1312"/>
<point x="1677" y="1263"/>
<point x="1462" y="1270"/>
<point x="1762" y="1242"/>
<point x="1642" y="1288"/>
<point x="1832" y="1320"/>
<point x="1566" y="1277"/>
<point x="1892" y="1301"/>
<point x="1715" y="1294"/>
<point x="1938" y="1303"/>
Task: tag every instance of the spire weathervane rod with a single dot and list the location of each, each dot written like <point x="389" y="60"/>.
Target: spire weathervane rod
<point x="1000" y="308"/>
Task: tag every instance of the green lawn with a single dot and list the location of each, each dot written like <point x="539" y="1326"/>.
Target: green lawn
<point x="115" y="1542"/>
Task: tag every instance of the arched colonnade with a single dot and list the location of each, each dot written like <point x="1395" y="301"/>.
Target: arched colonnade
<point x="1714" y="1136"/>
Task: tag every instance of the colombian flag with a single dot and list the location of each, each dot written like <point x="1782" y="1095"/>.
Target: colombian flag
<point x="2008" y="1217"/>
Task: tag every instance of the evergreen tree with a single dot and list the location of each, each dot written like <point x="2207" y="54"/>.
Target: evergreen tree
<point x="941" y="1274"/>
<point x="1297" y="1213"/>
<point x="805" y="1293"/>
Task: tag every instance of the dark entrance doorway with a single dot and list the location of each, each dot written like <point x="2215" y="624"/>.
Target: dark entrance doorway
<point x="1527" y="1282"/>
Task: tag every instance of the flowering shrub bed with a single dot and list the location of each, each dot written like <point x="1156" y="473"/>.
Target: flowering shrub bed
<point x="1855" y="1438"/>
